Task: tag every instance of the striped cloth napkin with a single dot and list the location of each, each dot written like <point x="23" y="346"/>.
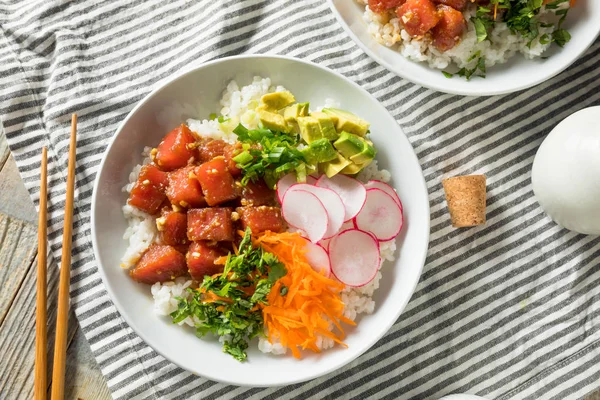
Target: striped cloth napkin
<point x="509" y="310"/>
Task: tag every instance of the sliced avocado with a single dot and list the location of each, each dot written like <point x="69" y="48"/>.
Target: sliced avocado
<point x="319" y="151"/>
<point x="348" y="122"/>
<point x="277" y="100"/>
<point x="349" y="144"/>
<point x="291" y="113"/>
<point x="366" y="155"/>
<point x="326" y="124"/>
<point x="333" y="167"/>
<point x="309" y="129"/>
<point x="273" y="121"/>
<point x="352" y="169"/>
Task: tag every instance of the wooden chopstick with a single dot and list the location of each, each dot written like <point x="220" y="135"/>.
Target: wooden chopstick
<point x="62" y="316"/>
<point x="40" y="386"/>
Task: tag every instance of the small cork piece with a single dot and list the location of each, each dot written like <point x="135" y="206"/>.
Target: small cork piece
<point x="465" y="196"/>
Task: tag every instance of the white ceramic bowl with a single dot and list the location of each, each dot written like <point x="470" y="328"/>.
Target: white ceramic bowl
<point x="196" y="94"/>
<point x="517" y="74"/>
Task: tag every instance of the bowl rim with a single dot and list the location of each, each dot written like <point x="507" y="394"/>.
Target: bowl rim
<point x="463" y="92"/>
<point x="120" y="307"/>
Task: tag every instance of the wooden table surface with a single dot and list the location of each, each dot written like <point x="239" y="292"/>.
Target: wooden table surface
<point x="18" y="251"/>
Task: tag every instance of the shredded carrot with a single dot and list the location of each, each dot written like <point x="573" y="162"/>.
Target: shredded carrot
<point x="311" y="303"/>
<point x="495" y="10"/>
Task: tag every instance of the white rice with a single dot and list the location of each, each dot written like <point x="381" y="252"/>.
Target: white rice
<point x="388" y="30"/>
<point x="239" y="105"/>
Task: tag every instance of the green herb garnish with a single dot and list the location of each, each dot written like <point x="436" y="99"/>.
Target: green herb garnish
<point x="246" y="281"/>
<point x="268" y="154"/>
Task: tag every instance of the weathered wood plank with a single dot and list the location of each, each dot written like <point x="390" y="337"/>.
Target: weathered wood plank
<point x="85" y="381"/>
<point x="18" y="247"/>
<point x="14" y="198"/>
<point x="17" y="337"/>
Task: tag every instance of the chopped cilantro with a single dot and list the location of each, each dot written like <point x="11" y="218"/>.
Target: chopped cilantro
<point x="246" y="281"/>
<point x="447" y="74"/>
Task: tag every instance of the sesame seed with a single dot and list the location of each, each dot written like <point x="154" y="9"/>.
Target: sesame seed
<point x="196" y="254"/>
<point x="183" y="203"/>
<point x="146" y="182"/>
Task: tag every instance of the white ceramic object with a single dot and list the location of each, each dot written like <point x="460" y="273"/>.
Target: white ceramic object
<point x="196" y="94"/>
<point x="566" y="172"/>
<point x="462" y="397"/>
<point x="517" y="74"/>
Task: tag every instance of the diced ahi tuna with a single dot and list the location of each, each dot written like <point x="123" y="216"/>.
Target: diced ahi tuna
<point x="160" y="263"/>
<point x="380" y="6"/>
<point x="230" y="152"/>
<point x="448" y="32"/>
<point x="148" y="193"/>
<point x="172" y="227"/>
<point x="216" y="181"/>
<point x="456" y="4"/>
<point x="260" y="219"/>
<point x="418" y="16"/>
<point x="210" y="224"/>
<point x="201" y="259"/>
<point x="176" y="149"/>
<point x="210" y="149"/>
<point x="182" y="248"/>
<point x="257" y="194"/>
<point x="184" y="189"/>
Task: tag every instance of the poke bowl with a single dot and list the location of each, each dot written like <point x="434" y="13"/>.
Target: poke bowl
<point x="472" y="47"/>
<point x="246" y="212"/>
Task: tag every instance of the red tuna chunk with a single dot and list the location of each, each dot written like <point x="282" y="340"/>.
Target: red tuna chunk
<point x="148" y="193"/>
<point x="456" y="4"/>
<point x="260" y="219"/>
<point x="210" y="149"/>
<point x="380" y="6"/>
<point x="201" y="260"/>
<point x="210" y="224"/>
<point x="216" y="181"/>
<point x="172" y="227"/>
<point x="257" y="194"/>
<point x="230" y="152"/>
<point x="184" y="189"/>
<point x="418" y="16"/>
<point x="447" y="33"/>
<point x="160" y="263"/>
<point x="176" y="149"/>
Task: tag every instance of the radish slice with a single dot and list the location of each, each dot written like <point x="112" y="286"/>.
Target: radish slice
<point x="354" y="257"/>
<point x="375" y="184"/>
<point x="381" y="215"/>
<point x="332" y="203"/>
<point x="318" y="258"/>
<point x="287" y="181"/>
<point x="303" y="210"/>
<point x="284" y="184"/>
<point x="351" y="191"/>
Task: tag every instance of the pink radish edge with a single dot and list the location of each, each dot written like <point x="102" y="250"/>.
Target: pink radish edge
<point x="318" y="257"/>
<point x="386" y="187"/>
<point x="321" y="182"/>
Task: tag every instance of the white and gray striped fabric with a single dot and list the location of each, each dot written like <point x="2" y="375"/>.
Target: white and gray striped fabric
<point x="509" y="310"/>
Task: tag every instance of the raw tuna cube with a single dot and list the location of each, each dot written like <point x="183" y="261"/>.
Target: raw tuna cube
<point x="160" y="263"/>
<point x="261" y="219"/>
<point x="216" y="181"/>
<point x="176" y="149"/>
<point x="418" y="16"/>
<point x="230" y="152"/>
<point x="201" y="260"/>
<point x="210" y="224"/>
<point x="447" y="33"/>
<point x="184" y="189"/>
<point x="380" y="6"/>
<point x="210" y="149"/>
<point x="257" y="194"/>
<point x="456" y="4"/>
<point x="172" y="227"/>
<point x="148" y="193"/>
